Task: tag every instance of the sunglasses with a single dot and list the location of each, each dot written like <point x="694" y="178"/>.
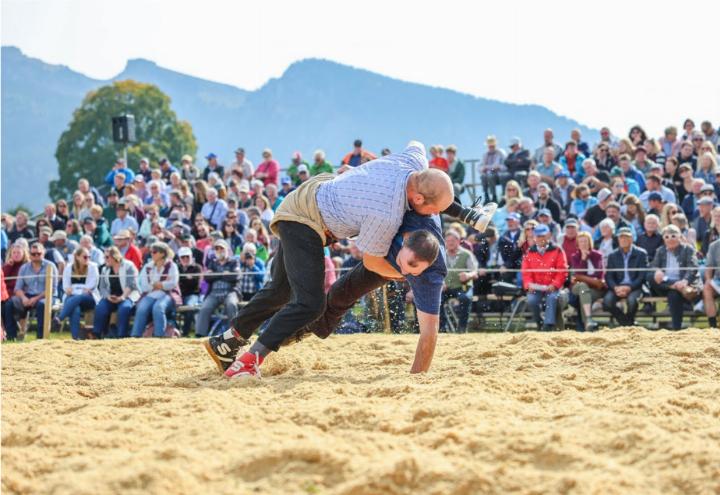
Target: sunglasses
<point x="670" y="236"/>
<point x="84" y="257"/>
<point x="34" y="253"/>
<point x="184" y="256"/>
<point x="219" y="248"/>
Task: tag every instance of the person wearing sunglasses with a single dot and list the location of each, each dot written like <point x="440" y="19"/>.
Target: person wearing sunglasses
<point x="675" y="274"/>
<point x="29" y="292"/>
<point x="80" y="285"/>
<point x="223" y="280"/>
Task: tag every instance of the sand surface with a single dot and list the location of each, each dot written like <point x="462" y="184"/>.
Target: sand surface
<point x="619" y="411"/>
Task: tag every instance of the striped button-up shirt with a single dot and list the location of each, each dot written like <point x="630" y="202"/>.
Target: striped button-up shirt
<point x="369" y="201"/>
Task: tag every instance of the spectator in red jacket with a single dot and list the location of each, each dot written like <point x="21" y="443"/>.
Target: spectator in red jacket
<point x="268" y="170"/>
<point x="124" y="242"/>
<point x="544" y="271"/>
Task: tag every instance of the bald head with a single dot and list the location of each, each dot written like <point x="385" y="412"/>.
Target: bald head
<point x="430" y="191"/>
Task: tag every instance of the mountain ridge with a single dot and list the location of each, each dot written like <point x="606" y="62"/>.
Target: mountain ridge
<point x="315" y="103"/>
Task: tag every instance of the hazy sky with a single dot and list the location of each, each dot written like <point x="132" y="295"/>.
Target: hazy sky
<point x="613" y="62"/>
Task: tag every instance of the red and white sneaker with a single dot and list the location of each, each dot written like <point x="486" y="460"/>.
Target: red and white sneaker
<point x="245" y="365"/>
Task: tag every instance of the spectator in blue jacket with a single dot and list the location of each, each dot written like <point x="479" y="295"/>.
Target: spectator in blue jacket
<point x="120" y="167"/>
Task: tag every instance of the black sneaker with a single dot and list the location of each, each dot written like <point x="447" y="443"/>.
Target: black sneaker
<point x="223" y="348"/>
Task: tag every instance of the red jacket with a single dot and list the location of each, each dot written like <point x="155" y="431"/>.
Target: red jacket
<point x="133" y="254"/>
<point x="551" y="266"/>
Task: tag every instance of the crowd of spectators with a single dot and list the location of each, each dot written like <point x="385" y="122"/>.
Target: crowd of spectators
<point x="596" y="226"/>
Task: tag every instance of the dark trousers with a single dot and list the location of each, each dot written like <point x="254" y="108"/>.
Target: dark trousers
<point x="676" y="302"/>
<point x="295" y="296"/>
<point x="18" y="312"/>
<point x="610" y="303"/>
<point x="463" y="312"/>
<point x="343" y="295"/>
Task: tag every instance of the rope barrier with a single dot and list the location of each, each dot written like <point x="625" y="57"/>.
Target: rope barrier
<point x="450" y="270"/>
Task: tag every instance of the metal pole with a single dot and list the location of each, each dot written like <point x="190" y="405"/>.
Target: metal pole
<point x="47" y="314"/>
<point x="386" y="308"/>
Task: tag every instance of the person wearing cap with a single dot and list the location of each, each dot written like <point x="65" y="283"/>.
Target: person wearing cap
<point x="655" y="203"/>
<point x="124" y="221"/>
<point x="703" y="219"/>
<point x="166" y="169"/>
<point x="97" y="227"/>
<point x="120" y="167"/>
<point x="358" y="155"/>
<point x="654" y="185"/>
<point x="189" y="271"/>
<point x="109" y="214"/>
<point x="456" y="169"/>
<point x="286" y="187"/>
<point x="268" y="170"/>
<point x="320" y="164"/>
<point x="509" y="248"/>
<point x="222" y="276"/>
<point x="462" y="270"/>
<point x="595" y="214"/>
<point x="546" y="202"/>
<point x="562" y="193"/>
<point x="144" y="170"/>
<point x="624" y="277"/>
<point x="568" y="239"/>
<point x="292" y="170"/>
<point x="159" y="285"/>
<point x="119" y="290"/>
<point x="675" y="274"/>
<point x="213" y="166"/>
<point x="242" y="165"/>
<point x="544" y="272"/>
<point x="124" y="242"/>
<point x="545" y="217"/>
<point x="493" y="169"/>
<point x="253" y="271"/>
<point x="518" y="161"/>
<point x="140" y="188"/>
<point x="66" y="247"/>
<point x="303" y="174"/>
<point x="548" y="142"/>
<point x="689" y="202"/>
<point x="571" y="159"/>
<point x="188" y="170"/>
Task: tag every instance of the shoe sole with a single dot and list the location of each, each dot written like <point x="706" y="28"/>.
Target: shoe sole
<point x="487" y="212"/>
<point x="209" y="349"/>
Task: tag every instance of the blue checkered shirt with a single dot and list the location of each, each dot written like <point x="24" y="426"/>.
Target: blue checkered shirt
<point x="369" y="201"/>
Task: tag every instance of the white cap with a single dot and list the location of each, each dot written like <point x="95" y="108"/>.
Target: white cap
<point x="184" y="251"/>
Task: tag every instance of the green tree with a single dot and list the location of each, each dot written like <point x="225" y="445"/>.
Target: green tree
<point x="86" y="149"/>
